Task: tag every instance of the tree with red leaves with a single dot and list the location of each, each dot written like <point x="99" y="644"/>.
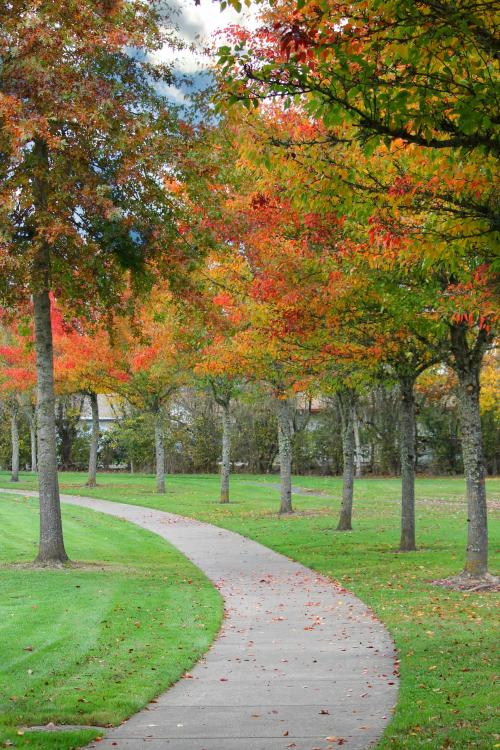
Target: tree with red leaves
<point x="84" y="360"/>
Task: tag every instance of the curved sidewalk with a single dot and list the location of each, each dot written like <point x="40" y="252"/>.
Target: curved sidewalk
<point x="299" y="663"/>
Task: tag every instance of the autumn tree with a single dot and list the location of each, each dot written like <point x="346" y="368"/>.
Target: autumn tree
<point x="85" y="142"/>
<point x="84" y="361"/>
<point x="249" y="355"/>
<point x="17" y="385"/>
<point x="224" y="390"/>
<point x="152" y="360"/>
<point x="392" y="70"/>
<point x="215" y="366"/>
<point x="403" y="205"/>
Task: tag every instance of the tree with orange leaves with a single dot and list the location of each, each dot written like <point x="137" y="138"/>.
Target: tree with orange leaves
<point x="84" y="211"/>
<point x="215" y="366"/>
<point x="84" y="361"/>
<point x="153" y="358"/>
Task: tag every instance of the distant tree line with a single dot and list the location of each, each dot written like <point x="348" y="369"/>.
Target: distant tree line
<point x="192" y="428"/>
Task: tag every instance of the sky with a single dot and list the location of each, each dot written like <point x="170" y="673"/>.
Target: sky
<point x="197" y="24"/>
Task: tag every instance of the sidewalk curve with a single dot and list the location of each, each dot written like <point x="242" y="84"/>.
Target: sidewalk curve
<point x="300" y="664"/>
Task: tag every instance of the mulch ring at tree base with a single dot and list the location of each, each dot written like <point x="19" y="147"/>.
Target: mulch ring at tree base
<point x="464" y="582"/>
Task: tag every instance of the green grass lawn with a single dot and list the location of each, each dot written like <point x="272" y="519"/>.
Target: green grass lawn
<point x="90" y="645"/>
<point x="446" y="639"/>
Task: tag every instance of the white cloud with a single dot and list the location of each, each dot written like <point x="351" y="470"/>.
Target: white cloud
<point x="198" y="25"/>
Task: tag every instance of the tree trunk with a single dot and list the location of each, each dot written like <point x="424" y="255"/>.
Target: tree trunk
<point x="14" y="431"/>
<point x="467" y="363"/>
<point x="160" y="453"/>
<point x="358" y="456"/>
<point x="285" y="455"/>
<point x="94" y="441"/>
<point x="226" y="452"/>
<point x="32" y="423"/>
<point x="407" y="455"/>
<point x="132" y="466"/>
<point x="68" y="414"/>
<point x="51" y="549"/>
<point x="347" y="405"/>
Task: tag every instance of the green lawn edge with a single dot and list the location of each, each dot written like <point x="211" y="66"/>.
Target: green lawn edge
<point x="91" y="645"/>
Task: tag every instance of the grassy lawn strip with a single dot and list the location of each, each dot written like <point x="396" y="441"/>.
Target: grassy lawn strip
<point x="446" y="640"/>
<point x="91" y="645"/>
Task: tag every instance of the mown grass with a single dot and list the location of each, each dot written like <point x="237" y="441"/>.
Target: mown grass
<point x="446" y="639"/>
<point x="90" y="645"/>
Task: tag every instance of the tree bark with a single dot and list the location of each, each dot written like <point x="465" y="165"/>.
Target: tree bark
<point x="14" y="431"/>
<point x="51" y="549"/>
<point x="347" y="404"/>
<point x="160" y="453"/>
<point x="32" y="423"/>
<point x="358" y="456"/>
<point x="94" y="440"/>
<point x="467" y="362"/>
<point x="407" y="454"/>
<point x="68" y="413"/>
<point x="226" y="452"/>
<point x="285" y="455"/>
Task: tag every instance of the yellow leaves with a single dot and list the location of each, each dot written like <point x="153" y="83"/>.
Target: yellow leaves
<point x="490" y="385"/>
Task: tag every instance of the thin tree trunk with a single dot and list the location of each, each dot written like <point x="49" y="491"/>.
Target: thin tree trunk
<point x="132" y="466"/>
<point x="94" y="441"/>
<point x="160" y="453"/>
<point x="468" y="366"/>
<point x="14" y="431"/>
<point x="358" y="457"/>
<point x="226" y="452"/>
<point x="407" y="456"/>
<point x="347" y="409"/>
<point x="32" y="423"/>
<point x="285" y="455"/>
<point x="51" y="549"/>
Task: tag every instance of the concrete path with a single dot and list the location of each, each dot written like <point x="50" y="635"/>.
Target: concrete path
<point x="299" y="663"/>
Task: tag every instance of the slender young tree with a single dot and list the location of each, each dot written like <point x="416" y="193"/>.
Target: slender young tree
<point x="285" y="434"/>
<point x="17" y="383"/>
<point x="94" y="440"/>
<point x="347" y="405"/>
<point x="84" y="358"/>
<point x="33" y="446"/>
<point x="14" y="432"/>
<point x="223" y="390"/>
<point x="153" y="358"/>
<point x="358" y="453"/>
